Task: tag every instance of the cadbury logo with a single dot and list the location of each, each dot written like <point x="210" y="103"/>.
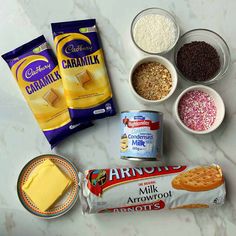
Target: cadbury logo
<point x="31" y="72"/>
<point x="73" y="126"/>
<point x="72" y="49"/>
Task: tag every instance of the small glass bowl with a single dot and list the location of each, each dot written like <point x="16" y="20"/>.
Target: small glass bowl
<point x="157" y="11"/>
<point x="214" y="40"/>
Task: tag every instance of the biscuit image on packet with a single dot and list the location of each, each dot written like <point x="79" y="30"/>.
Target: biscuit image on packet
<point x="50" y="97"/>
<point x="199" y="179"/>
<point x="191" y="206"/>
<point x="36" y="72"/>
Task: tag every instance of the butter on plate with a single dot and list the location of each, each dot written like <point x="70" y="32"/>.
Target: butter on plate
<point x="46" y="184"/>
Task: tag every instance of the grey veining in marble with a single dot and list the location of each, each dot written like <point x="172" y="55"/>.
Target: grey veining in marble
<point x="21" y="138"/>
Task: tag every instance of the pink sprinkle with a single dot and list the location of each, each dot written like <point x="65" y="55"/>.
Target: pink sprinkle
<point x="197" y="110"/>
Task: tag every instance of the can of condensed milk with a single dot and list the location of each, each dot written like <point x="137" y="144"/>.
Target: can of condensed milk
<point x="141" y="135"/>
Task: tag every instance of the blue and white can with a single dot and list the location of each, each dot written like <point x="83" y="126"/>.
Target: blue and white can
<point x="141" y="135"/>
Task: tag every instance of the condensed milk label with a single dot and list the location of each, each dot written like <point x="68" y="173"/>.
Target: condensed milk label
<point x="141" y="135"/>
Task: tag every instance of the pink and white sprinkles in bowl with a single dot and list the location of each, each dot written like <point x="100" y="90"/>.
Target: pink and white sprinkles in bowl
<point x="197" y="110"/>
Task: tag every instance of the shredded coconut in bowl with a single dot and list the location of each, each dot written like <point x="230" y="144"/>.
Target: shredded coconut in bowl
<point x="155" y="33"/>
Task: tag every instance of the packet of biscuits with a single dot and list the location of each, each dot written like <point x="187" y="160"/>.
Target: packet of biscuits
<point x="37" y="74"/>
<point x="152" y="188"/>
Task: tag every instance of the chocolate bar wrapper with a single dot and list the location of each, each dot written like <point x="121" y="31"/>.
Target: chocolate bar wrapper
<point x="151" y="188"/>
<point x="82" y="66"/>
<point x="37" y="74"/>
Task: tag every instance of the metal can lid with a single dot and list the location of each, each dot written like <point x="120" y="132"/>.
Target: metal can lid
<point x="150" y="111"/>
<point x="139" y="158"/>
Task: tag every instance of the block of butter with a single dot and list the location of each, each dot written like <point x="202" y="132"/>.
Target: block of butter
<point x="46" y="184"/>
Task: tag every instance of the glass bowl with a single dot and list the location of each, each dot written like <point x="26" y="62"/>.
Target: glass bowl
<point x="157" y="11"/>
<point x="214" y="40"/>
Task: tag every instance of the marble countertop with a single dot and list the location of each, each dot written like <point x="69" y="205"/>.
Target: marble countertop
<point x="21" y="138"/>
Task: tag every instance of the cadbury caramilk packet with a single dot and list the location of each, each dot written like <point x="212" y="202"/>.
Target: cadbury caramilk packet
<point x="81" y="61"/>
<point x="36" y="71"/>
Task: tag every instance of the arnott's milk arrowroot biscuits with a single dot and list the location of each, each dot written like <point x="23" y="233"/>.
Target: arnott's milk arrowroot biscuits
<point x="37" y="74"/>
<point x="82" y="66"/>
<point x="151" y="188"/>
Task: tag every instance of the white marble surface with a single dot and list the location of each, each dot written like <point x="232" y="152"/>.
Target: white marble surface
<point x="21" y="138"/>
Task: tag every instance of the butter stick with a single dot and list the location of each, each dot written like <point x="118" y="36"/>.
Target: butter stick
<point x="46" y="185"/>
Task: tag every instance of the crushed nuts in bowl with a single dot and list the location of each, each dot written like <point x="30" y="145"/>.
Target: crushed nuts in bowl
<point x="153" y="79"/>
